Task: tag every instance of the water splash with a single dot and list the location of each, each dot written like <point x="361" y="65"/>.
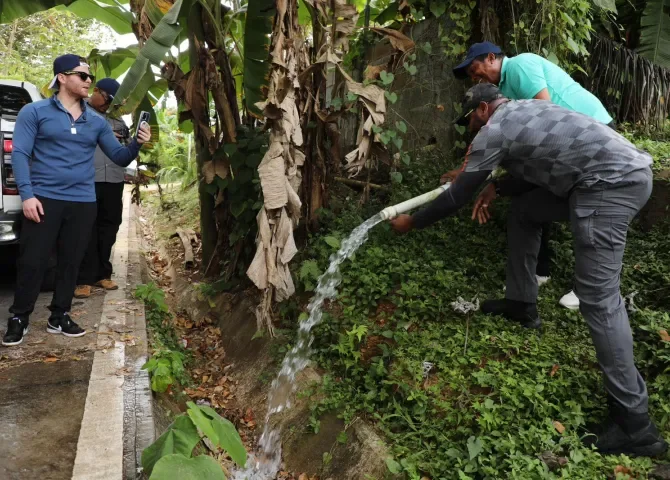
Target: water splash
<point x="266" y="464"/>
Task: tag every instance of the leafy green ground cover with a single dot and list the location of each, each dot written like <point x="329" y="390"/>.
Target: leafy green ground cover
<point x="498" y="396"/>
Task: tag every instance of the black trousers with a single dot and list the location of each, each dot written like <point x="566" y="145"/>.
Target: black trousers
<point x="65" y="226"/>
<point x="96" y="264"/>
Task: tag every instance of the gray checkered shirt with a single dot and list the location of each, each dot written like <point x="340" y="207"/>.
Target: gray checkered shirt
<point x="553" y="147"/>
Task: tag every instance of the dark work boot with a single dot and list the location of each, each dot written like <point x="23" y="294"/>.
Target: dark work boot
<point x="520" y="312"/>
<point x="632" y="434"/>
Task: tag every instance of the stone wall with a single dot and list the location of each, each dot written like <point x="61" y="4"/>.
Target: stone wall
<point x="425" y="100"/>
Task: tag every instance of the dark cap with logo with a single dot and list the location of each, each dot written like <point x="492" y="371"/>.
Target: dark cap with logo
<point x="482" y="92"/>
<point x="478" y="49"/>
<point x="65" y="63"/>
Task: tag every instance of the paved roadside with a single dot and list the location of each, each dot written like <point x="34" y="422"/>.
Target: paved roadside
<point x="79" y="408"/>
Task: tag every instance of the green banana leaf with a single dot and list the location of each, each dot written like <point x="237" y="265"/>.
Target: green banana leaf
<point x="110" y="13"/>
<point x="141" y="76"/>
<point x="655" y="32"/>
<point x="118" y="18"/>
<point x="260" y="18"/>
<point x="10" y="10"/>
<point x="111" y="63"/>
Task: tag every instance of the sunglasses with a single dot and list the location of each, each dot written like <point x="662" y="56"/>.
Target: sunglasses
<point x="108" y="97"/>
<point x="83" y="75"/>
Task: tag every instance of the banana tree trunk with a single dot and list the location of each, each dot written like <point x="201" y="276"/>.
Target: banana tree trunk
<point x="208" y="228"/>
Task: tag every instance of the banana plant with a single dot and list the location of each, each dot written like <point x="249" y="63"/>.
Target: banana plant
<point x="107" y="11"/>
<point x="655" y="32"/>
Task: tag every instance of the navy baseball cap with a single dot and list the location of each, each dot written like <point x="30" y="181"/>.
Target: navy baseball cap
<point x="483" y="48"/>
<point x="109" y="86"/>
<point x="482" y="92"/>
<point x="65" y="63"/>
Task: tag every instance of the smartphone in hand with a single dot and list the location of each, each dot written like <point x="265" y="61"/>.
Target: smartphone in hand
<point x="144" y="118"/>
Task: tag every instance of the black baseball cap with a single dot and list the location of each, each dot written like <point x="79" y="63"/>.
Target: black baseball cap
<point x="483" y="48"/>
<point x="109" y="86"/>
<point x="482" y="92"/>
<point x="65" y="63"/>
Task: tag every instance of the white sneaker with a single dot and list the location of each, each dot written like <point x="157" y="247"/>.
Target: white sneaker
<point x="542" y="280"/>
<point x="569" y="300"/>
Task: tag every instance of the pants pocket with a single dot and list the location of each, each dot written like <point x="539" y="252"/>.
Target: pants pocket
<point x="600" y="238"/>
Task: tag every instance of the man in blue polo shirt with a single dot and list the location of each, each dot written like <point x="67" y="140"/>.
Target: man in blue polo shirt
<point x="54" y="143"/>
<point x="524" y="77"/>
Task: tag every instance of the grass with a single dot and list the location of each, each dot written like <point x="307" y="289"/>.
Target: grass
<point x="498" y="397"/>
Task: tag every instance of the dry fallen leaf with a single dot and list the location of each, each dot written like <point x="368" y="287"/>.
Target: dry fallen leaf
<point x="622" y="470"/>
<point x="559" y="427"/>
<point x="50" y="359"/>
<point x="664" y="335"/>
<point x="554" y="369"/>
<point x="440" y="108"/>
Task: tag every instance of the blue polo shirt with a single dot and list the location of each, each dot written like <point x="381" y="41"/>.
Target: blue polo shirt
<point x="53" y="154"/>
<point x="524" y="76"/>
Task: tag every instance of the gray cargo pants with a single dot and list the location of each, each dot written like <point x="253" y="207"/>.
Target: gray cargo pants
<point x="599" y="217"/>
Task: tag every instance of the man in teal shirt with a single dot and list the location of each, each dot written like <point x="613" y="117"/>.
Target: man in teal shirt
<point x="529" y="76"/>
<point x="524" y="77"/>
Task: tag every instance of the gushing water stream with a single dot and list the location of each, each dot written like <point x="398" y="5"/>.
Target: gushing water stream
<point x="266" y="464"/>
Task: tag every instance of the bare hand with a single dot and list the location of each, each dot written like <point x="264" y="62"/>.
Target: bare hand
<point x="118" y="135"/>
<point x="32" y="209"/>
<point x="480" y="212"/>
<point x="144" y="134"/>
<point x="450" y="176"/>
<point x="402" y="223"/>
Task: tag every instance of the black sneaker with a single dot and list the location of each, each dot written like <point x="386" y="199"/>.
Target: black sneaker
<point x="63" y="324"/>
<point x="17" y="327"/>
<point x="636" y="437"/>
<point x="521" y="312"/>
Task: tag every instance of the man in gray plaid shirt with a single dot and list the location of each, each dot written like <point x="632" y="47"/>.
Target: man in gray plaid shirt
<point x="590" y="176"/>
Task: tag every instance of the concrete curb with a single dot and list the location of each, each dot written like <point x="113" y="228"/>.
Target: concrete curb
<point x="116" y="410"/>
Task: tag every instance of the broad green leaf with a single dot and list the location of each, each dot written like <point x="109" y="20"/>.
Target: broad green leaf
<point x="438" y="8"/>
<point x="146" y="106"/>
<point x="120" y="19"/>
<point x="475" y="447"/>
<point x="401" y="126"/>
<point x="181" y="437"/>
<point x="396" y="177"/>
<point x="173" y="467"/>
<point x="332" y="241"/>
<point x="573" y="45"/>
<point x="393" y="466"/>
<point x="260" y="18"/>
<point x="606" y="5"/>
<point x="111" y="63"/>
<point x="655" y="32"/>
<point x="386" y="77"/>
<point x="388" y="14"/>
<point x="10" y="10"/>
<point x="202" y="421"/>
<point x="229" y="439"/>
<point x="141" y="76"/>
<point x="391" y="96"/>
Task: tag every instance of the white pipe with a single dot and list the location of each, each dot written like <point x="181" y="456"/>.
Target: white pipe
<point x="395" y="210"/>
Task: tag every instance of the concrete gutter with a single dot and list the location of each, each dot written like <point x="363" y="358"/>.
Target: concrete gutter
<point x="118" y="420"/>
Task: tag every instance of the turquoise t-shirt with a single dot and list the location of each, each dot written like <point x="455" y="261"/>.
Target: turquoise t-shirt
<point x="524" y="76"/>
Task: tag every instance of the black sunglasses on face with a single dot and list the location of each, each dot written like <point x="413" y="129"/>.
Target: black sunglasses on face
<point x="83" y="75"/>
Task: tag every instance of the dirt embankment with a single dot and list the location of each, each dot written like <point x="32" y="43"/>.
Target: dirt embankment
<point x="233" y="369"/>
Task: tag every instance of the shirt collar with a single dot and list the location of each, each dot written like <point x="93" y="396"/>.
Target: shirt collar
<point x="59" y="105"/>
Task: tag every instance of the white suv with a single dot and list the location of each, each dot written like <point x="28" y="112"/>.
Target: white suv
<point x="14" y="94"/>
